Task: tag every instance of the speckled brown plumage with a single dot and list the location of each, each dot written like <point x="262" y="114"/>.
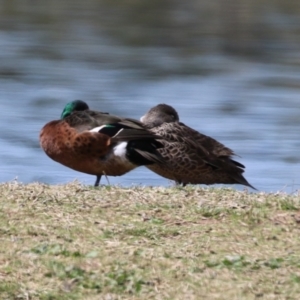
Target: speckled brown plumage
<point x="191" y="157"/>
<point x="87" y="141"/>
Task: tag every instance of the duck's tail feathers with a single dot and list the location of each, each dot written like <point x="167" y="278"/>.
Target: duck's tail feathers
<point x="233" y="168"/>
<point x="242" y="180"/>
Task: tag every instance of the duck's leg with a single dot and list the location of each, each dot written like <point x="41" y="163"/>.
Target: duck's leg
<point x="97" y="180"/>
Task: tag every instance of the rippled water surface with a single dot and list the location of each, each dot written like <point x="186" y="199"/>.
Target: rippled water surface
<point x="250" y="105"/>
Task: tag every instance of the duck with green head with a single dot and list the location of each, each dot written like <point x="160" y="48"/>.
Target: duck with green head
<point x="98" y="143"/>
<point x="190" y="156"/>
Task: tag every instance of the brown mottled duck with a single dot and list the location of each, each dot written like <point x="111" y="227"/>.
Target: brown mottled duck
<point x="191" y="157"/>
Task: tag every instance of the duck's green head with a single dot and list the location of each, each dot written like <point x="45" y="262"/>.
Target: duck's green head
<point x="76" y="105"/>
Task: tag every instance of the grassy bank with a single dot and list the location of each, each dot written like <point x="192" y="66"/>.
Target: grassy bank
<point x="78" y="242"/>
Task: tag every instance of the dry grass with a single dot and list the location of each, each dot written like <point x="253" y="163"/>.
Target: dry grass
<point x="78" y="242"/>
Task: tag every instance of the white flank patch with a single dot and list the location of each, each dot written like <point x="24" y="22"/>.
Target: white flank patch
<point x="120" y="150"/>
<point x="97" y="129"/>
<point x="142" y="118"/>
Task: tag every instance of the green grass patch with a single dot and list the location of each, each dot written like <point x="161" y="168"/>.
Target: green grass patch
<point x="78" y="242"/>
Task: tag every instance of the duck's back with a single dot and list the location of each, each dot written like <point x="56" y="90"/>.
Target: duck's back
<point x="88" y="119"/>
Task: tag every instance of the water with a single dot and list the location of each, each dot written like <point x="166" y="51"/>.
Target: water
<point x="250" y="105"/>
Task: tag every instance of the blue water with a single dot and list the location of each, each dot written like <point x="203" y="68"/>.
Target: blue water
<point x="251" y="106"/>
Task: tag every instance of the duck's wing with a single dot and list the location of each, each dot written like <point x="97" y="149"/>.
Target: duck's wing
<point x="142" y="144"/>
<point x="210" y="144"/>
<point x="203" y="147"/>
<point x="206" y="141"/>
